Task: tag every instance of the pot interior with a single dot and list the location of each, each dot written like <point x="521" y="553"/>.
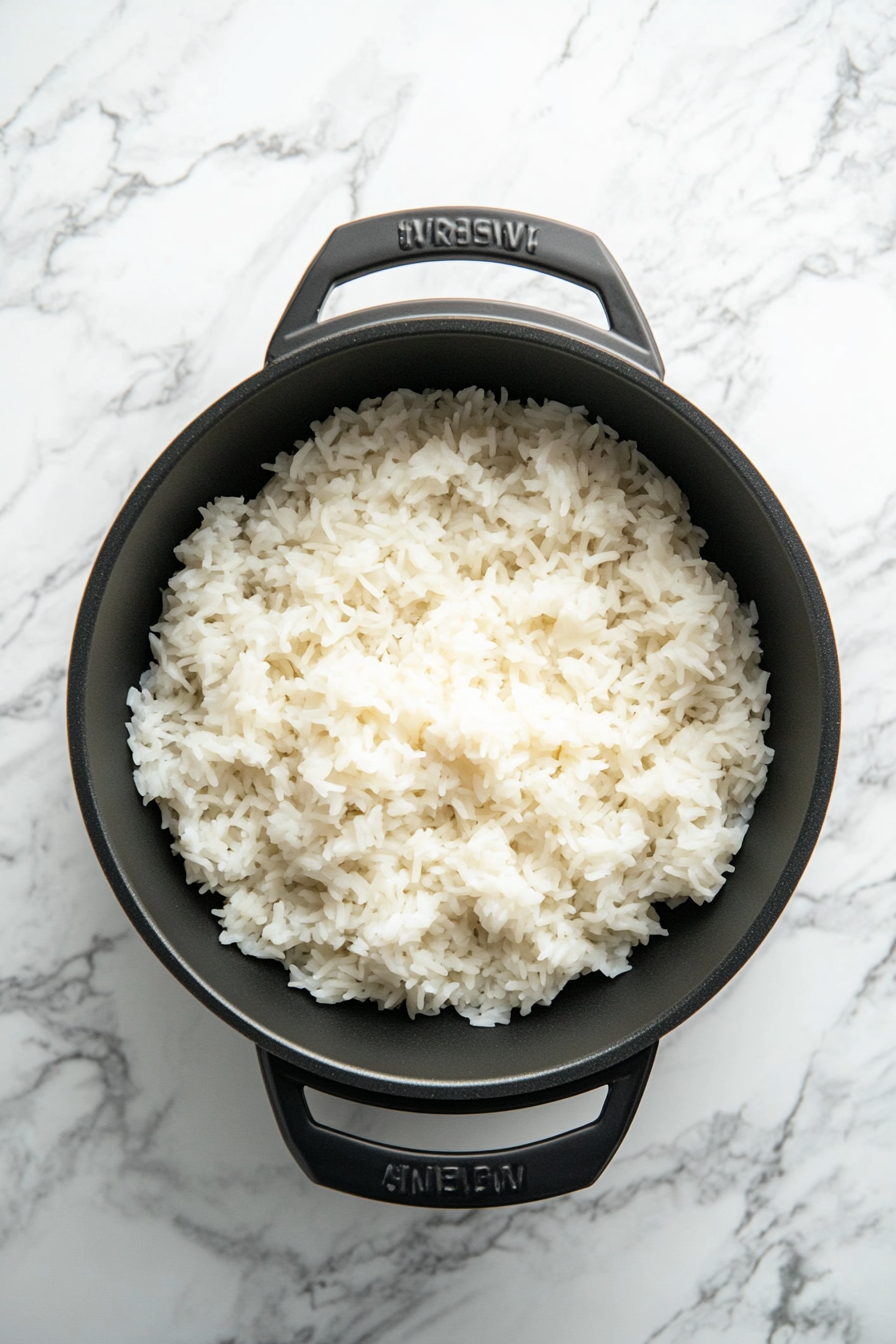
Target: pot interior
<point x="594" y="1021"/>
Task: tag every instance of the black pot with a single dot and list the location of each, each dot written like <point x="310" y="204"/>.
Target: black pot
<point x="598" y="1031"/>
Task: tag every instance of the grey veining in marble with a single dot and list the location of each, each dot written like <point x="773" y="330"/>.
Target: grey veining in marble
<point x="167" y="173"/>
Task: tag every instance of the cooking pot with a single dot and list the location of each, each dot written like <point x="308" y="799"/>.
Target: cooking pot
<point x="598" y="1032"/>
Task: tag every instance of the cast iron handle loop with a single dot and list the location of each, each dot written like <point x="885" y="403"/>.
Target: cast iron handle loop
<point x="470" y="233"/>
<point x="542" y="1170"/>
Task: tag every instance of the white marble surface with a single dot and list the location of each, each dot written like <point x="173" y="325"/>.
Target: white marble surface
<point x="168" y="171"/>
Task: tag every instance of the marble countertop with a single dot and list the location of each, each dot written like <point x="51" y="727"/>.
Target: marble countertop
<point x="168" y="172"/>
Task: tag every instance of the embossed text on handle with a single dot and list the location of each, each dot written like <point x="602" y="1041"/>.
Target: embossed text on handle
<point x="444" y="1179"/>
<point x="428" y="233"/>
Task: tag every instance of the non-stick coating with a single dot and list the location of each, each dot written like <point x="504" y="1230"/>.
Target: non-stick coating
<point x="594" y="1021"/>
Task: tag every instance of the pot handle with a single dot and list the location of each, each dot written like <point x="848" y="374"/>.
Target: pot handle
<point x="542" y="1170"/>
<point x="469" y="233"/>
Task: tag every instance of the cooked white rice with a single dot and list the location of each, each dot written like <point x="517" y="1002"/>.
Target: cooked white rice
<point x="450" y="704"/>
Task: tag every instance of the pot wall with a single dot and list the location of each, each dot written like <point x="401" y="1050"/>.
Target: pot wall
<point x="595" y="1021"/>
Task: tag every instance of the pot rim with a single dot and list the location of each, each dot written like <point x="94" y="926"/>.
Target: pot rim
<point x="402" y="321"/>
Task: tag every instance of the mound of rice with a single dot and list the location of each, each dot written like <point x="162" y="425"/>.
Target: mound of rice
<point x="450" y="704"/>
